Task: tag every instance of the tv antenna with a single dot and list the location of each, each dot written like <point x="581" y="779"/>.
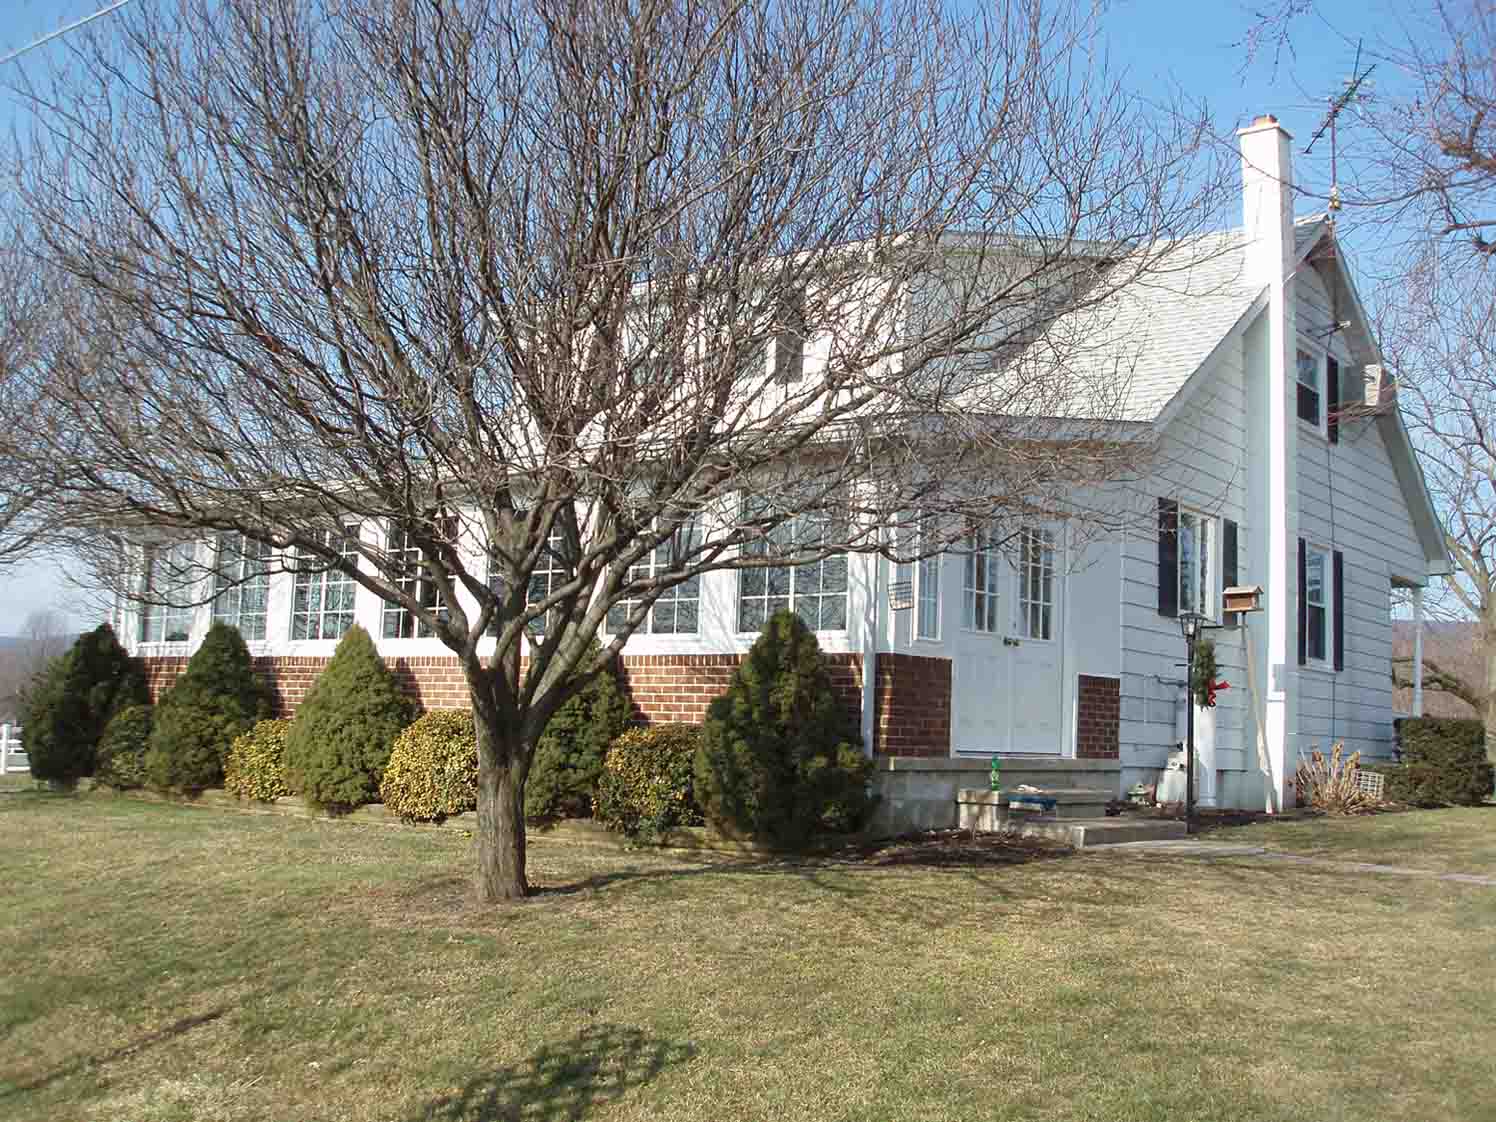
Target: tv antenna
<point x="1351" y="92"/>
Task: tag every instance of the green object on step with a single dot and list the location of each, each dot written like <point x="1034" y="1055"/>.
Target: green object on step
<point x="997" y="784"/>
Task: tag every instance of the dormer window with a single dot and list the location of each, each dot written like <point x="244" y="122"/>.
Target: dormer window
<point x="1311" y="379"/>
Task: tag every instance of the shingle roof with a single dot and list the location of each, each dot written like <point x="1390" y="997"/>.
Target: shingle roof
<point x="1131" y="352"/>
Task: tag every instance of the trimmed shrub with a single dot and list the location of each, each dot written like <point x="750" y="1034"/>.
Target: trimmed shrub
<point x="217" y="698"/>
<point x="122" y="749"/>
<point x="648" y="782"/>
<point x="67" y="707"/>
<point x="1332" y="784"/>
<point x="433" y="768"/>
<point x="256" y="767"/>
<point x="780" y="760"/>
<point x="569" y="758"/>
<point x="341" y="737"/>
<point x="1442" y="762"/>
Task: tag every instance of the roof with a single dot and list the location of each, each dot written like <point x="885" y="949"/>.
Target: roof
<point x="1138" y="346"/>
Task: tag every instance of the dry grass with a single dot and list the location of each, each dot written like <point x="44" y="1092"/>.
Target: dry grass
<point x="169" y="963"/>
<point x="1454" y="840"/>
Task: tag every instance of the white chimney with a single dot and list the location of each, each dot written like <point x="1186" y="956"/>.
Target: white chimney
<point x="1267" y="199"/>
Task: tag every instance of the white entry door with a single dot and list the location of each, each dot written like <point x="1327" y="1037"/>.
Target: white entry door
<point x="1006" y="672"/>
<point x="1035" y="641"/>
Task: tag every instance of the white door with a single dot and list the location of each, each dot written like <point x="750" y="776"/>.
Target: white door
<point x="1034" y="639"/>
<point x="980" y="718"/>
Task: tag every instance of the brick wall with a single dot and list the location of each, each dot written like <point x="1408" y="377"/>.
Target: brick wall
<point x="913" y="705"/>
<point x="664" y="687"/>
<point x="1098" y="718"/>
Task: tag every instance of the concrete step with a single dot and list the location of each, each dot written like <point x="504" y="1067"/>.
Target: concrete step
<point x="1089" y="833"/>
<point x="983" y="809"/>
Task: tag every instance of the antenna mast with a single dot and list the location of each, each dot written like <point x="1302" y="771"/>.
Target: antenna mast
<point x="1339" y="102"/>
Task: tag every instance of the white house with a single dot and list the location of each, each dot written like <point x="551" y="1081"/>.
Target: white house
<point x="1283" y="463"/>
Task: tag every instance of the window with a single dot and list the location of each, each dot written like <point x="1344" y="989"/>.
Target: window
<point x="979" y="598"/>
<point x="789" y="339"/>
<point x="927" y="588"/>
<point x="1309" y="382"/>
<point x="1316" y="600"/>
<point x="816" y="592"/>
<point x="168" y="580"/>
<point x="677" y="610"/>
<point x="241" y="583"/>
<point x="322" y="599"/>
<point x="1196" y="563"/>
<point x="398" y="622"/>
<point x="1036" y="583"/>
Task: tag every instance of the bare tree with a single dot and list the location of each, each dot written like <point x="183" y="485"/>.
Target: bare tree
<point x="1440" y="341"/>
<point x="1417" y="145"/>
<point x="547" y="290"/>
<point x="43" y="636"/>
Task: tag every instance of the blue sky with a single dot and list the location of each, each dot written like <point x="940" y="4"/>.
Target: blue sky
<point x="1195" y="47"/>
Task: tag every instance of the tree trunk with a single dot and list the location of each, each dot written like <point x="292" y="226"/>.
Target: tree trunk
<point x="499" y="842"/>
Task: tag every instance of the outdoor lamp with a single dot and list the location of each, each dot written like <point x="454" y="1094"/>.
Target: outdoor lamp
<point x="1189" y="627"/>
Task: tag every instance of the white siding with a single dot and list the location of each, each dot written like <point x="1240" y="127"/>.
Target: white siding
<point x="1350" y="500"/>
<point x="1202" y="465"/>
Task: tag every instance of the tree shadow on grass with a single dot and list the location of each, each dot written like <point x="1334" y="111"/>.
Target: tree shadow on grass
<point x="562" y="1082"/>
<point x="124" y="1051"/>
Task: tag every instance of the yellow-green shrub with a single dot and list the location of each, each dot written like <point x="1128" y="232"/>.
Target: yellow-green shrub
<point x="256" y="767"/>
<point x="433" y="768"/>
<point x="646" y="788"/>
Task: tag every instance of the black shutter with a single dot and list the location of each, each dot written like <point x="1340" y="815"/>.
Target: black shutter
<point x="1332" y="399"/>
<point x="1228" y="566"/>
<point x="1303" y="605"/>
<point x="1168" y="557"/>
<point x="1339" y="570"/>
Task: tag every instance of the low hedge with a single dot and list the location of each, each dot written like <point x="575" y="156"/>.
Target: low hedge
<point x="1442" y="762"/>
<point x="256" y="767"/>
<point x="647" y="784"/>
<point x="433" y="768"/>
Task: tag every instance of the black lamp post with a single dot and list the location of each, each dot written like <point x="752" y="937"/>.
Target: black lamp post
<point x="1189" y="625"/>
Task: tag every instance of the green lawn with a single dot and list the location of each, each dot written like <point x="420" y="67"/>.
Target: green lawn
<point x="165" y="963"/>
<point x="1458" y="840"/>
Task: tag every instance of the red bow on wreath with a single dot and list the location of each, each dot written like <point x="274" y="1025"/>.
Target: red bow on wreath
<point x="1213" y="689"/>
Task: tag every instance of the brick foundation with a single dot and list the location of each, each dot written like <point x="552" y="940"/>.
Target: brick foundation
<point x="912" y="696"/>
<point x="1098" y="718"/>
<point x="664" y="687"/>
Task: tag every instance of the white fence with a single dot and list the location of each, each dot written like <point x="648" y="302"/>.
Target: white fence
<point x="12" y="755"/>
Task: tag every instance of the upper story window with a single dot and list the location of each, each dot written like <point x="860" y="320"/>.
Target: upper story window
<point x="678" y="609"/>
<point x="397" y="621"/>
<point x="1311" y="383"/>
<point x="980" y="594"/>
<point x="1197" y="575"/>
<point x="789" y="339"/>
<point x="816" y="592"/>
<point x="322" y="598"/>
<point x="166" y="607"/>
<point x="241" y="584"/>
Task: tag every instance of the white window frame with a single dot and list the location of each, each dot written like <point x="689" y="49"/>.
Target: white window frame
<point x="686" y="593"/>
<point x="1023" y="603"/>
<point x="926" y="586"/>
<point x="321" y="582"/>
<point x="1325" y="605"/>
<point x="981" y="592"/>
<point x="414" y="575"/>
<point x="241" y="571"/>
<point x="799" y="582"/>
<point x="1202" y="572"/>
<point x="1321" y="423"/>
<point x="172" y="622"/>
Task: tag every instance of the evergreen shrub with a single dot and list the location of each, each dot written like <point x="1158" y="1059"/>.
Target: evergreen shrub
<point x="217" y="698"/>
<point x="780" y="759"/>
<point x="433" y="768"/>
<point x="122" y="749"/>
<point x="342" y="734"/>
<point x="256" y="767"/>
<point x="648" y="782"/>
<point x="66" y="708"/>
<point x="568" y="760"/>
<point x="1442" y="762"/>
